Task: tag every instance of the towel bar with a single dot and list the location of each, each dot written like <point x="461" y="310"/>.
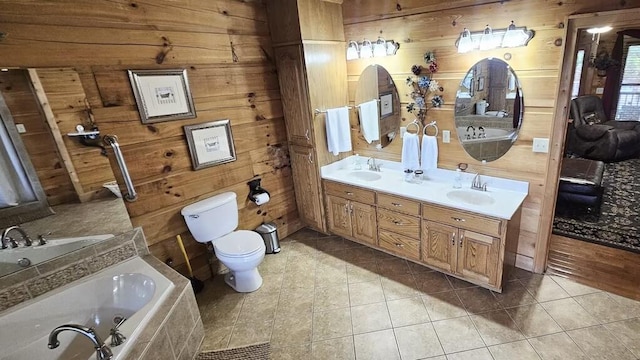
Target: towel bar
<point x="318" y="111"/>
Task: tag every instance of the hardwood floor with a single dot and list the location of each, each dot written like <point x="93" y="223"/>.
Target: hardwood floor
<point x="602" y="267"/>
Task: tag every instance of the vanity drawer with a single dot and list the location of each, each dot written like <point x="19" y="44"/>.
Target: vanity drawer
<point x="399" y="244"/>
<point x="457" y="218"/>
<point x="350" y="192"/>
<point x="396" y="203"/>
<point x="399" y="223"/>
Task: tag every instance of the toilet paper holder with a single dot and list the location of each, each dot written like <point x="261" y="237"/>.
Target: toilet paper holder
<point x="255" y="189"/>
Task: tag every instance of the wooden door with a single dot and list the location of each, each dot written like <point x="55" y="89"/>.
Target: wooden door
<point x="365" y="227"/>
<point x="478" y="257"/>
<point x="339" y="216"/>
<point x="306" y="185"/>
<point x="439" y="245"/>
<point x="294" y="94"/>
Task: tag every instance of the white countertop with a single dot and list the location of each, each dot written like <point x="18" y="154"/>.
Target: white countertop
<point x="508" y="194"/>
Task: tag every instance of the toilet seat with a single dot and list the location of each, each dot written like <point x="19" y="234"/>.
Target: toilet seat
<point x="241" y="243"/>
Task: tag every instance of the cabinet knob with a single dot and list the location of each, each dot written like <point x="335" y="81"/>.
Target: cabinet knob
<point x="396" y="204"/>
<point x="349" y="193"/>
<point x="397" y="222"/>
<point x="461" y="239"/>
<point x="453" y="239"/>
<point x="458" y="219"/>
<point x="399" y="245"/>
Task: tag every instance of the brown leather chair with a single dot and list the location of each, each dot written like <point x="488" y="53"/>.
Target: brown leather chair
<point x="593" y="136"/>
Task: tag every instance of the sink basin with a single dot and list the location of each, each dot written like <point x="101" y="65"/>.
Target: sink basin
<point x="365" y="175"/>
<point x="471" y="197"/>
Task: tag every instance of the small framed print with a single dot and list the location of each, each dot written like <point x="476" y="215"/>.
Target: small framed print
<point x="481" y="83"/>
<point x="386" y="104"/>
<point x="162" y="95"/>
<point x="210" y="143"/>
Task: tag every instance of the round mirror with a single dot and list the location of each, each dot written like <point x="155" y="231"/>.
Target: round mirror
<point x="488" y="111"/>
<point x="378" y="106"/>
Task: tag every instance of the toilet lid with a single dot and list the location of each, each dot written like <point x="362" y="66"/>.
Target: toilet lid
<point x="239" y="243"/>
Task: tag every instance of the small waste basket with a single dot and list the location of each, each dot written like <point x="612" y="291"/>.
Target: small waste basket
<point x="270" y="237"/>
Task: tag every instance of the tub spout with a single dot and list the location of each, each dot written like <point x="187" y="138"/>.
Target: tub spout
<point x="102" y="350"/>
<point x="5" y="236"/>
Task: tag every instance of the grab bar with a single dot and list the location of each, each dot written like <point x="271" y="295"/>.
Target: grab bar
<point x="112" y="140"/>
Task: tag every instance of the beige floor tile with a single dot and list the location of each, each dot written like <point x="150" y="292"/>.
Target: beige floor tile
<point x="557" y="347"/>
<point x="366" y="293"/>
<point x="399" y="286"/>
<point x="569" y="314"/>
<point x="331" y="324"/>
<point x="432" y="282"/>
<point x="331" y="244"/>
<point x="332" y="297"/>
<point x="300" y="264"/>
<point x="252" y="332"/>
<point x="496" y="327"/>
<point x="334" y="349"/>
<point x="330" y="275"/>
<point x="514" y="294"/>
<point x="533" y="320"/>
<point x="393" y="266"/>
<point x="222" y="313"/>
<point x="478" y="300"/>
<point x="443" y="305"/>
<point x="459" y="284"/>
<point x="216" y="338"/>
<point x="379" y="345"/>
<point x="603" y="307"/>
<point x="360" y="254"/>
<point x="288" y="331"/>
<point x="632" y="306"/>
<point x="476" y="354"/>
<point x="628" y="332"/>
<point x="599" y="343"/>
<point x="458" y="334"/>
<point x="520" y="350"/>
<point x="273" y="264"/>
<point x="297" y="352"/>
<point x="440" y="357"/>
<point x="271" y="285"/>
<point x="304" y="234"/>
<point x="372" y="317"/>
<point x="258" y="308"/>
<point x="306" y="280"/>
<point x="543" y="288"/>
<point x="418" y="268"/>
<point x="295" y="301"/>
<point x="298" y="248"/>
<point x="409" y="311"/>
<point x="417" y="342"/>
<point x="362" y="272"/>
<point x="573" y="288"/>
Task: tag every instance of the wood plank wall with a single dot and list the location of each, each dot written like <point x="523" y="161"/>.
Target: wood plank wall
<point x="17" y="92"/>
<point x="434" y="25"/>
<point x="226" y="49"/>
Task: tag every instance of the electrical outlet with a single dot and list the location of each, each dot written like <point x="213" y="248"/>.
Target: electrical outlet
<point x="599" y="91"/>
<point x="541" y="145"/>
<point x="446" y="136"/>
<point x="21" y="129"/>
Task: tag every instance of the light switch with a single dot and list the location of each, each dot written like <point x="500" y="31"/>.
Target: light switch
<point x="541" y="145"/>
<point x="446" y="136"/>
<point x="21" y="129"/>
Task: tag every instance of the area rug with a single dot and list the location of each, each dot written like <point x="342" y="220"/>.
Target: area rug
<point x="253" y="352"/>
<point x="619" y="220"/>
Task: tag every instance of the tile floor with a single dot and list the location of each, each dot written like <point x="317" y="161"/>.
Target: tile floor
<point x="325" y="298"/>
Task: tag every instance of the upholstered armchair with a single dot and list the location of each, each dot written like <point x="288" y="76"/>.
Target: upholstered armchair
<point x="592" y="136"/>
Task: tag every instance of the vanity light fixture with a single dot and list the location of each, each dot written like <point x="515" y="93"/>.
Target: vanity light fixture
<point x="380" y="48"/>
<point x="465" y="44"/>
<point x="599" y="30"/>
<point x="488" y="39"/>
<point x="353" y="51"/>
<point x="366" y="49"/>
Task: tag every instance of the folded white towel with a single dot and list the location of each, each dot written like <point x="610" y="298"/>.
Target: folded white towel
<point x="369" y="120"/>
<point x="338" y="130"/>
<point x="410" y="151"/>
<point x="429" y="154"/>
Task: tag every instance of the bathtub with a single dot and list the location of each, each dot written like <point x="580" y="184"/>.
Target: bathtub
<point x="132" y="289"/>
<point x="492" y="134"/>
<point x="39" y="253"/>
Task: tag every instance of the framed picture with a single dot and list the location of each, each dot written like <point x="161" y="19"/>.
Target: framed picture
<point x="210" y="143"/>
<point x="386" y="104"/>
<point x="162" y="95"/>
<point x="481" y="83"/>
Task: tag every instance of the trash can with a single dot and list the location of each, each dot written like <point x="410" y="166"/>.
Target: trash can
<point x="270" y="237"/>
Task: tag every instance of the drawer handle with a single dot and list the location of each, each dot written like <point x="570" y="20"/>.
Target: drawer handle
<point x="349" y="193"/>
<point x="399" y="245"/>
<point x="310" y="158"/>
<point x="397" y="222"/>
<point x="458" y="219"/>
<point x="306" y="134"/>
<point x="396" y="204"/>
<point x="453" y="239"/>
<point x="461" y="239"/>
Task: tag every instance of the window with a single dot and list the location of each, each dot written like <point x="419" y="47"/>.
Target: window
<point x="629" y="100"/>
<point x="577" y="75"/>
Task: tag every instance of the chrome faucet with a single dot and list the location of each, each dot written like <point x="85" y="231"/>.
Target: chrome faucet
<point x="5" y="239"/>
<point x="474" y="132"/>
<point x="103" y="352"/>
<point x="477" y="184"/>
<point x="372" y="164"/>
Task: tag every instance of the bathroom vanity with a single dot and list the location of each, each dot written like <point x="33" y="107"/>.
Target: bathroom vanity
<point x="466" y="233"/>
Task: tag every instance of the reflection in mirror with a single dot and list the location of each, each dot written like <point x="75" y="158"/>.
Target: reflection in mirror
<point x="378" y="106"/>
<point x="488" y="110"/>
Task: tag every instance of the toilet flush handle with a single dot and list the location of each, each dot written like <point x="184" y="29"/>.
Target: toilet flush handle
<point x="194" y="216"/>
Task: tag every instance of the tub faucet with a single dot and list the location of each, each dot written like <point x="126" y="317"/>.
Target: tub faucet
<point x="4" y="238"/>
<point x="103" y="352"/>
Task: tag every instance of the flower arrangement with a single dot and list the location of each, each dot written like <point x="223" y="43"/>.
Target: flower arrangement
<point x="603" y="61"/>
<point x="422" y="85"/>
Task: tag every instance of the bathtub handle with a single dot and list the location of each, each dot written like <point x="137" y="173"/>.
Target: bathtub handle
<point x="116" y="336"/>
<point x="131" y="194"/>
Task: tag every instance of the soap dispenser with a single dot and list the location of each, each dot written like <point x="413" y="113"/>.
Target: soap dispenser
<point x="357" y="164"/>
<point x="457" y="180"/>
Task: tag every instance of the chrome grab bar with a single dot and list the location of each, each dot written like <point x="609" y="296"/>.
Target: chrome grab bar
<point x="112" y="140"/>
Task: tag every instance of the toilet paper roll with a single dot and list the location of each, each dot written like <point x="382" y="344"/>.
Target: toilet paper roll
<point x="261" y="198"/>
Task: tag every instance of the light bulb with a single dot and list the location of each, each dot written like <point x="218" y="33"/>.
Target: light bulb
<point x="487" y="40"/>
<point x="465" y="44"/>
<point x="366" y="50"/>
<point x="380" y="48"/>
<point x="352" y="51"/>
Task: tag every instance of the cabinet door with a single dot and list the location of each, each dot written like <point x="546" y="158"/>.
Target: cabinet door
<point x="339" y="216"/>
<point x="478" y="257"/>
<point x="364" y="221"/>
<point x="294" y="94"/>
<point x="306" y="185"/>
<point x="439" y="245"/>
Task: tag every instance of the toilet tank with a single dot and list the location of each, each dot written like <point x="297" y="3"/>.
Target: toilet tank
<point x="212" y="218"/>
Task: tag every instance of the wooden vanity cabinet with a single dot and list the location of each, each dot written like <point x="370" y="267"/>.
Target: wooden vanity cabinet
<point x="307" y="186"/>
<point x="348" y="217"/>
<point x="399" y="225"/>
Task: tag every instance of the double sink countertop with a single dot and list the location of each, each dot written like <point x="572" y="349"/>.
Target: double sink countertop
<point x="501" y="200"/>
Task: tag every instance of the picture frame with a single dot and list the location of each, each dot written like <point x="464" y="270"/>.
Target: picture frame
<point x="162" y="95"/>
<point x="386" y="104"/>
<point x="481" y="83"/>
<point x="210" y="143"/>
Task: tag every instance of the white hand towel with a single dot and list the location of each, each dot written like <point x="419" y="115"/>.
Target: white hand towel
<point x="429" y="153"/>
<point x="338" y="130"/>
<point x="369" y="120"/>
<point x="410" y="151"/>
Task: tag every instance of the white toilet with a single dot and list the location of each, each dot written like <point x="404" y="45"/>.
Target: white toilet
<point x="215" y="220"/>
